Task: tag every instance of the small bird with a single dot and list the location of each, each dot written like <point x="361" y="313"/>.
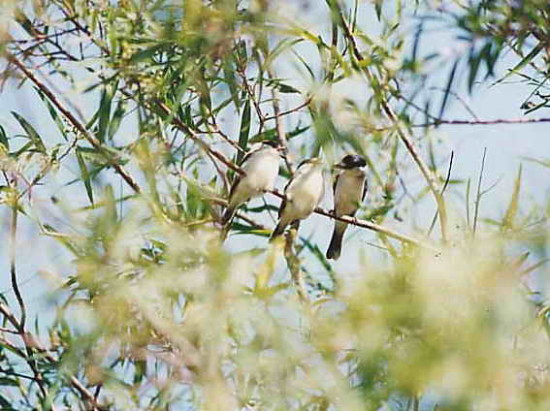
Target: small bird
<point x="350" y="188"/>
<point x="261" y="167"/>
<point x="303" y="193"/>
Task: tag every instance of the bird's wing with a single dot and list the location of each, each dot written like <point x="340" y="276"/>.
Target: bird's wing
<point x="238" y="177"/>
<point x="234" y="187"/>
<point x="365" y="189"/>
<point x="335" y="183"/>
<point x="247" y="156"/>
<point x="283" y="203"/>
<point x="301" y="163"/>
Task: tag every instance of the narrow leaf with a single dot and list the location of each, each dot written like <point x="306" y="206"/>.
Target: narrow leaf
<point x="448" y="89"/>
<point x="31" y="132"/>
<point x="510" y="216"/>
<point x="245" y="130"/>
<point x="85" y="176"/>
<point x="4" y="138"/>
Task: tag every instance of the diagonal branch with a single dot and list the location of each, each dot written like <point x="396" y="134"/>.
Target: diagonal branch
<point x="430" y="178"/>
<point x="74" y="121"/>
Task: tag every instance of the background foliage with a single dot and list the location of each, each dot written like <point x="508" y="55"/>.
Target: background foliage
<point x="117" y="166"/>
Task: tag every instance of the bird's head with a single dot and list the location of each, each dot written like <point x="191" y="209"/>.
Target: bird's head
<point x="351" y="161"/>
<point x="314" y="161"/>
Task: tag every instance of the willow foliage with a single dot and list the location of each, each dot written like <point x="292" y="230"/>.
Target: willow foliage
<point x="130" y="119"/>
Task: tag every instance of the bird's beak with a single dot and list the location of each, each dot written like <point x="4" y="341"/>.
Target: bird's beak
<point x="338" y="166"/>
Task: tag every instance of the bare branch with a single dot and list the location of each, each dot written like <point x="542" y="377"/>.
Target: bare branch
<point x="279" y="127"/>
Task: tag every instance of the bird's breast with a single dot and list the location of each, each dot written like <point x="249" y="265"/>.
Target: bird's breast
<point x="262" y="171"/>
<point x="306" y="192"/>
<point x="348" y="193"/>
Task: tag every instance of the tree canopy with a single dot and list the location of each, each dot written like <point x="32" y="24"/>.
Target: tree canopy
<point x="122" y="127"/>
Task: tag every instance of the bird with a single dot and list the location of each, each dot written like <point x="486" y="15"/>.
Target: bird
<point x="303" y="193"/>
<point x="261" y="168"/>
<point x="350" y="188"/>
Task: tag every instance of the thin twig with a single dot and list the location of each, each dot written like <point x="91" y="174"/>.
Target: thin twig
<point x="290" y="111"/>
<point x="447" y="179"/>
<point x="478" y="198"/>
<point x="484" y="122"/>
<point x="460" y="100"/>
<point x="279" y="127"/>
<point x="293" y="263"/>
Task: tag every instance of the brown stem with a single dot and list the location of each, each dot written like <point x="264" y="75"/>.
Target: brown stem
<point x="484" y="122"/>
<point x="280" y="128"/>
<point x="293" y="263"/>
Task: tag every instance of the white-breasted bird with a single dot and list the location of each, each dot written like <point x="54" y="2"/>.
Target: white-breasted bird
<point x="350" y="188"/>
<point x="303" y="193"/>
<point x="261" y="167"/>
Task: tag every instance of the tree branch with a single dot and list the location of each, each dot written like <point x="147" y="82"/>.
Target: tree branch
<point x="413" y="151"/>
<point x="368" y="225"/>
<point x="484" y="122"/>
<point x="31" y="342"/>
<point x="279" y="127"/>
<point x="74" y="121"/>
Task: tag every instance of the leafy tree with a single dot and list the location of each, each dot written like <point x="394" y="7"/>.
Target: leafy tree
<point x="135" y="120"/>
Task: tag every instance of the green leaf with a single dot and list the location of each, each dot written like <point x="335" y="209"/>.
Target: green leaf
<point x="31" y="132"/>
<point x="117" y="118"/>
<point x="285" y="88"/>
<point x="85" y="176"/>
<point x="448" y="88"/>
<point x="541" y="162"/>
<point x="4" y="138"/>
<point x="104" y="111"/>
<point x="229" y="79"/>
<point x="245" y="130"/>
<point x="271" y="134"/>
<point x="474" y="62"/>
<point x="145" y="54"/>
<point x="526" y="60"/>
<point x="510" y="216"/>
<point x="4" y="381"/>
<point x="5" y="404"/>
<point x="378" y="8"/>
<point x="53" y="114"/>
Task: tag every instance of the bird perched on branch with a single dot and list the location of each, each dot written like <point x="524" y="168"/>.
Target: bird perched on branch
<point x="349" y="190"/>
<point x="303" y="193"/>
<point x="261" y="168"/>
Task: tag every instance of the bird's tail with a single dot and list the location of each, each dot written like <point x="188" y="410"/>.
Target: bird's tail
<point x="335" y="248"/>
